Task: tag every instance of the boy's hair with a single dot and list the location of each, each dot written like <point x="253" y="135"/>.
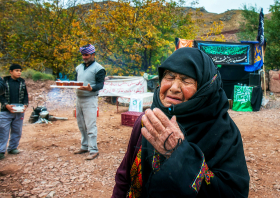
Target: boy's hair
<point x="15" y="66"/>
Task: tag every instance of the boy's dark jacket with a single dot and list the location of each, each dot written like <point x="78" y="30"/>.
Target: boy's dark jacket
<point x="2" y="86"/>
<point x="22" y="88"/>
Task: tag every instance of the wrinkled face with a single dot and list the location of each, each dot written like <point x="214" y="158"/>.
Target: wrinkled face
<point x="176" y="88"/>
<point x="88" y="57"/>
<point x="15" y="73"/>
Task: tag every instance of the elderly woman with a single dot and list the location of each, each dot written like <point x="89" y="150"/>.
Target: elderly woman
<point x="186" y="145"/>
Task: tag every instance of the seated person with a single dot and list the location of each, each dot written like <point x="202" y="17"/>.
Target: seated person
<point x="186" y="145"/>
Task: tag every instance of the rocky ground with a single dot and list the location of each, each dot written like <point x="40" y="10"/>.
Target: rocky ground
<point x="47" y="167"/>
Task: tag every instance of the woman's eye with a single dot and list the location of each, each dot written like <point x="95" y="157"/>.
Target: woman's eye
<point x="188" y="82"/>
<point x="169" y="78"/>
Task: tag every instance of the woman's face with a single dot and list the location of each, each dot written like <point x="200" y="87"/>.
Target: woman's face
<point x="176" y="88"/>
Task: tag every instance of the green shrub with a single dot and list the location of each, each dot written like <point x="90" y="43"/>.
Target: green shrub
<point x="42" y="76"/>
<point x="32" y="74"/>
<point x="48" y="77"/>
<point x="37" y="76"/>
<point x="28" y="73"/>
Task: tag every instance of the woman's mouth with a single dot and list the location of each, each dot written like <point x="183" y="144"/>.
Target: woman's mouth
<point x="174" y="99"/>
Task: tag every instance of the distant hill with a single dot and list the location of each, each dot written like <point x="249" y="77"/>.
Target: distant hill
<point x="231" y="20"/>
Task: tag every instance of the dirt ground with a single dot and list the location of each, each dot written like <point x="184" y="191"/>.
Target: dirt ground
<point x="47" y="165"/>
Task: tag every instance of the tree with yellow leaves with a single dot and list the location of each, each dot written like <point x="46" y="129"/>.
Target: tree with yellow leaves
<point x="131" y="36"/>
<point x="136" y="36"/>
<point x="214" y="33"/>
<point x="40" y="34"/>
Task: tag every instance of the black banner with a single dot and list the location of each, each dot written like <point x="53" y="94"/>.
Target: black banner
<point x="227" y="53"/>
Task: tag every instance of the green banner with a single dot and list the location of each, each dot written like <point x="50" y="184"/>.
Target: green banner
<point x="225" y="50"/>
<point x="225" y="53"/>
<point x="242" y="98"/>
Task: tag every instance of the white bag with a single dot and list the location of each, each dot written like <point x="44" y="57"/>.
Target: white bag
<point x="136" y="105"/>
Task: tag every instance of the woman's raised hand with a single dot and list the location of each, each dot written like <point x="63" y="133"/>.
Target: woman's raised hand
<point x="162" y="133"/>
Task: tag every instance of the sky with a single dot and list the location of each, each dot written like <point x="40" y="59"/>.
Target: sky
<point x="220" y="6"/>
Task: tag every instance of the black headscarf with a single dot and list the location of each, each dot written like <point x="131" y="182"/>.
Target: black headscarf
<point x="209" y="132"/>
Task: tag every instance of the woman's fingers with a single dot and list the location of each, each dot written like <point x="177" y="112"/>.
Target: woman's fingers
<point x="162" y="117"/>
<point x="157" y="124"/>
<point x="170" y="140"/>
<point x="148" y="136"/>
<point x="162" y="133"/>
<point x="178" y="132"/>
<point x="149" y="126"/>
<point x="174" y="122"/>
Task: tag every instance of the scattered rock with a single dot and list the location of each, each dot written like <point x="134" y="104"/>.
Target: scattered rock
<point x="72" y="148"/>
<point x="26" y="170"/>
<point x="56" y="155"/>
<point x="51" y="194"/>
<point x="26" y="181"/>
<point x="248" y="159"/>
<point x="43" y="195"/>
<point x="29" y="164"/>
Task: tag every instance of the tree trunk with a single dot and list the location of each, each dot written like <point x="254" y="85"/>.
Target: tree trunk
<point x="145" y="60"/>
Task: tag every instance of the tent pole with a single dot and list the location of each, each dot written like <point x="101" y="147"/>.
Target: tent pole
<point x="264" y="83"/>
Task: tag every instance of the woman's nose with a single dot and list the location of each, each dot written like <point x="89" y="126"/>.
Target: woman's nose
<point x="176" y="86"/>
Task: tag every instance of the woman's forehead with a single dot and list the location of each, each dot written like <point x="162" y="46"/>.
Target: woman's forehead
<point x="175" y="74"/>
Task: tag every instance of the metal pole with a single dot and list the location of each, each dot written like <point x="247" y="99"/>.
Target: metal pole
<point x="264" y="83"/>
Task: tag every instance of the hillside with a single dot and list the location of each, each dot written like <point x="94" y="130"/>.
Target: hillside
<point x="231" y="20"/>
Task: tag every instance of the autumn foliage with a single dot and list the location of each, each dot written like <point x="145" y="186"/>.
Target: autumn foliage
<point x="131" y="37"/>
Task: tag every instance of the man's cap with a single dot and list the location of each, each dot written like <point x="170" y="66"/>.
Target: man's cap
<point x="87" y="49"/>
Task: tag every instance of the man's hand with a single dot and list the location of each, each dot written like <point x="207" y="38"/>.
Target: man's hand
<point x="25" y="107"/>
<point x="162" y="133"/>
<point x="86" y="88"/>
<point x="10" y="108"/>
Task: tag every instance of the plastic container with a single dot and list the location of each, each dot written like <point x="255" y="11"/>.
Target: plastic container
<point x="44" y="114"/>
<point x="128" y="118"/>
<point x="72" y="83"/>
<point x="18" y="108"/>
